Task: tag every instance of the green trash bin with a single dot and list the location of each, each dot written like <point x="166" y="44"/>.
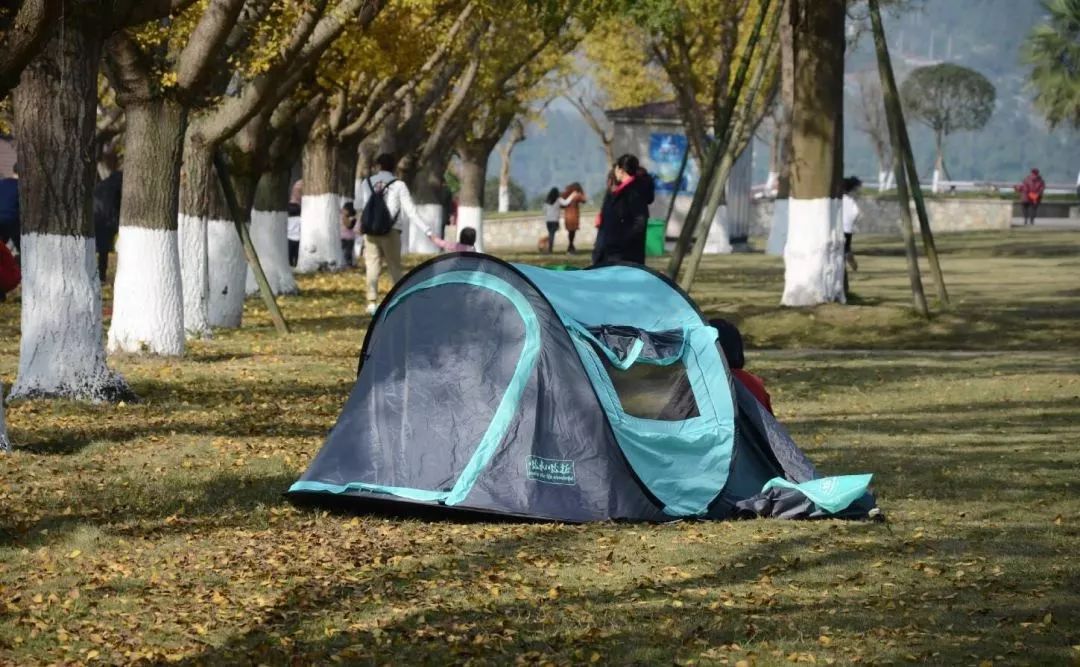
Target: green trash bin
<point x="655" y="233"/>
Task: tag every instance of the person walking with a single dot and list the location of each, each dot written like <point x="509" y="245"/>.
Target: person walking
<point x="107" y="197"/>
<point x="384" y="189"/>
<point x="575" y="195"/>
<point x="625" y="215"/>
<point x="1031" y="193"/>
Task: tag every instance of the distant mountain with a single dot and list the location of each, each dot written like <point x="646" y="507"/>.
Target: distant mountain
<point x="987" y="36"/>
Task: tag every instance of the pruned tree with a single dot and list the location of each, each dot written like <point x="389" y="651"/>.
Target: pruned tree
<point x="1053" y="52"/>
<point x="870" y="119"/>
<point x="518" y="60"/>
<point x="513" y="137"/>
<point x="948" y="98"/>
<point x="365" y="81"/>
<point x="61" y="349"/>
<point x="159" y="76"/>
<point x="211" y="256"/>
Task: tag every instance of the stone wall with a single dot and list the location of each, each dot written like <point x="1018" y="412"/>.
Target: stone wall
<point x="879" y="216"/>
<point x="523" y="233"/>
<point x="882" y="216"/>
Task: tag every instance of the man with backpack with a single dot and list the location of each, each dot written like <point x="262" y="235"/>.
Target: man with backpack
<point x="382" y="199"/>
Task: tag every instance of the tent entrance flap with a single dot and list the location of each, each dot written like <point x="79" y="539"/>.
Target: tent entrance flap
<point x="681" y="450"/>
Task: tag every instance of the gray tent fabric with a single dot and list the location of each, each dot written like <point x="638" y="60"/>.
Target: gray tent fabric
<point x="472" y="395"/>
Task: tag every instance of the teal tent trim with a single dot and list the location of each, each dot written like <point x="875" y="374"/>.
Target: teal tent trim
<point x="684" y="464"/>
<point x="504" y="413"/>
<point x="411" y="494"/>
<point x="832" y="494"/>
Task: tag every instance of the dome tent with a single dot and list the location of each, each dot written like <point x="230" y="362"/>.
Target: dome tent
<point x="572" y="396"/>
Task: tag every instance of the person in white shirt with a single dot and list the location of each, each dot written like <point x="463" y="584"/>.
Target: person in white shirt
<point x="849" y="212"/>
<point x="292" y="231"/>
<point x="386" y="248"/>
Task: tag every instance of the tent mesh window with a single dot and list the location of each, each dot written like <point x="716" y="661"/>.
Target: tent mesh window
<point x="661" y="393"/>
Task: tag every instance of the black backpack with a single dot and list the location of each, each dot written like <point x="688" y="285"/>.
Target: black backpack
<point x="376" y="219"/>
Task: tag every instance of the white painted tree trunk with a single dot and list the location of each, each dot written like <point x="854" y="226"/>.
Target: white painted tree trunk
<point x="228" y="275"/>
<point x="814" y="253"/>
<point x="194" y="273"/>
<point x="61" y="352"/>
<point x="148" y="307"/>
<point x="504" y="198"/>
<point x="473" y="218"/>
<point x="779" y="231"/>
<point x="418" y="242"/>
<point x="719" y="241"/>
<point x="320" y="240"/>
<point x="268" y="233"/>
<point x="935" y="186"/>
<point x="5" y="444"/>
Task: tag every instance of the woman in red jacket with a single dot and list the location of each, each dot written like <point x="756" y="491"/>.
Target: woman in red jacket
<point x="1031" y="192"/>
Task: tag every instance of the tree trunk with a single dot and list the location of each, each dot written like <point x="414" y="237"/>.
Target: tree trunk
<point x="201" y="207"/>
<point x="471" y="195"/>
<point x="427" y="192"/>
<point x="778" y="233"/>
<point x="365" y="164"/>
<point x="228" y="265"/>
<point x="941" y="173"/>
<point x="320" y="209"/>
<point x="504" y="184"/>
<point x="348" y="157"/>
<point x="506" y="153"/>
<point x="62" y="352"/>
<point x="269" y="220"/>
<point x="148" y="306"/>
<point x="814" y="252"/>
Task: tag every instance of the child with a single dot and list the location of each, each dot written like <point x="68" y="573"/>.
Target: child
<point x="348" y="233"/>
<point x="731" y="343"/>
<point x="466" y="241"/>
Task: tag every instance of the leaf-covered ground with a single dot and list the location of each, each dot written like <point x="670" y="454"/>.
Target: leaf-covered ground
<point x="157" y="532"/>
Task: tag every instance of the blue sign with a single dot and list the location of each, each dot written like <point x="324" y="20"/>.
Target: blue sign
<point x="666" y="153"/>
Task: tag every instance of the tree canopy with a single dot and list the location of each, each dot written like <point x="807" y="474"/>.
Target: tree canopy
<point x="949" y="98"/>
<point x="1053" y="51"/>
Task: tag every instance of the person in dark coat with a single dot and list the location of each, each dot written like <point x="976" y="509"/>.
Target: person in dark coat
<point x="107" y="215"/>
<point x="9" y="211"/>
<point x="624" y="215"/>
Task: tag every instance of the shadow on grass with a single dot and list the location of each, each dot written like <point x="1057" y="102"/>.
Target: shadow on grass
<point x="650" y="620"/>
<point x="190" y="505"/>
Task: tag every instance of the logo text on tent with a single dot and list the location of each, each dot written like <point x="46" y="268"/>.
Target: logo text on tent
<point x="551" y="471"/>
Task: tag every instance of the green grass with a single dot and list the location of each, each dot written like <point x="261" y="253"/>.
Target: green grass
<point x="156" y="531"/>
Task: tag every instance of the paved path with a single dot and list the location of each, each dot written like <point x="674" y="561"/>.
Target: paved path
<point x="1050" y="223"/>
